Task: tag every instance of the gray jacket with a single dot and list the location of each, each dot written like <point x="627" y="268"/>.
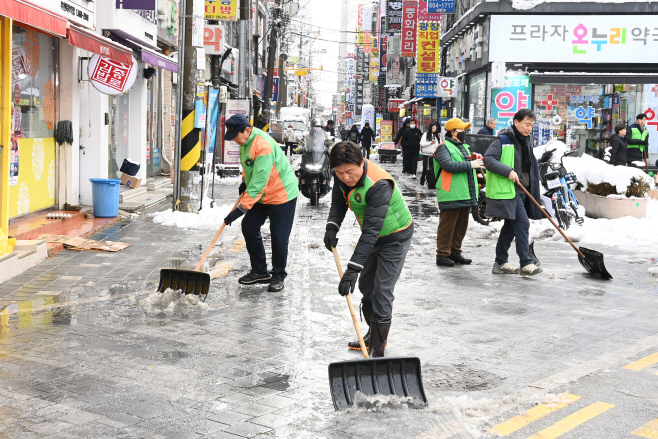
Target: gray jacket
<point x="507" y="208"/>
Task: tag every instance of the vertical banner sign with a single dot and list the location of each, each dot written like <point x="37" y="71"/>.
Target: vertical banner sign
<point x="394" y="45"/>
<point x="359" y="17"/>
<point x="374" y="68"/>
<point x="359" y="96"/>
<point x="409" y="13"/>
<point x="367" y="42"/>
<point x="505" y="102"/>
<point x="650" y="108"/>
<point x="366" y="18"/>
<point x="231" y="148"/>
<point x="213" y="108"/>
<point x="221" y="10"/>
<point x="423" y="15"/>
<point x="359" y="62"/>
<point x="387" y="130"/>
<point x="275" y="89"/>
<point x="426" y="85"/>
<point x="429" y="49"/>
<point x="394" y="15"/>
<point x="393" y="71"/>
<point x="382" y="57"/>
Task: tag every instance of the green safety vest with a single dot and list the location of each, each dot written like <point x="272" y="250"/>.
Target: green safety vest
<point x="453" y="187"/>
<point x="398" y="216"/>
<point x="500" y="187"/>
<point x="636" y="134"/>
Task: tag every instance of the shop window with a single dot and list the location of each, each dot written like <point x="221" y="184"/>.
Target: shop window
<point x="32" y="168"/>
<point x="477" y="95"/>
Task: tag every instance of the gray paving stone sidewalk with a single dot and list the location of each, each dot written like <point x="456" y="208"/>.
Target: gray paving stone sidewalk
<point x="80" y="358"/>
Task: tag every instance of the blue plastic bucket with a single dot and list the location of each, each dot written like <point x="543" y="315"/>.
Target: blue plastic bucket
<point x="105" y="194"/>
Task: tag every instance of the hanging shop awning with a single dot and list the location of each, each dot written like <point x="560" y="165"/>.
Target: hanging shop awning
<point x="158" y="59"/>
<point x="97" y="44"/>
<point x="34" y="16"/>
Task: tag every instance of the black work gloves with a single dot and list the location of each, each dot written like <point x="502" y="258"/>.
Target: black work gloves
<point x="235" y="214"/>
<point x="348" y="282"/>
<point x="330" y="239"/>
<point x="242" y="188"/>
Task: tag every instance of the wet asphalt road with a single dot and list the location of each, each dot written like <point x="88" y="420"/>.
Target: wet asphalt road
<point x="80" y="358"/>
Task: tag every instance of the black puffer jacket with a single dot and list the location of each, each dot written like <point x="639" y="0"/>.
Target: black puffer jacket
<point x="367" y="136"/>
<point x="442" y="155"/>
<point x="409" y="137"/>
<point x="378" y="199"/>
<point x="618" y="151"/>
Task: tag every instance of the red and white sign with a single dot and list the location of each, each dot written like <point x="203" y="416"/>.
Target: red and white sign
<point x="17" y="94"/>
<point x="394" y="105"/>
<point x="111" y="77"/>
<point x="409" y="20"/>
<point x="213" y="39"/>
<point x="359" y="18"/>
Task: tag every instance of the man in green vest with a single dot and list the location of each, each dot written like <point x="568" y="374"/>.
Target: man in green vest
<point x="509" y="161"/>
<point x="456" y="192"/>
<point x="637" y="139"/>
<point x="386" y="230"/>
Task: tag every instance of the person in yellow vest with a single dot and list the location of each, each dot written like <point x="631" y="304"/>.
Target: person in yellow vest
<point x="637" y="140"/>
<point x="456" y="192"/>
<point x="386" y="230"/>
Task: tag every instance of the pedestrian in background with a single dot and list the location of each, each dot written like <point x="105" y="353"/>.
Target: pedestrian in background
<point x="428" y="144"/>
<point x="290" y="138"/>
<point x="386" y="231"/>
<point x="367" y="136"/>
<point x="343" y="134"/>
<point x="456" y="193"/>
<point x="616" y="153"/>
<point x="330" y="128"/>
<point x="269" y="190"/>
<point x="510" y="161"/>
<point x="637" y="140"/>
<point x="409" y="138"/>
<point x="354" y="136"/>
<point x="489" y="128"/>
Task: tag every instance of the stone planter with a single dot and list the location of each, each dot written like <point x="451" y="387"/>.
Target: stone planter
<point x="597" y="206"/>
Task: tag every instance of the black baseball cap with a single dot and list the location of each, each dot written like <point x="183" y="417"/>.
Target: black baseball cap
<point x="234" y="125"/>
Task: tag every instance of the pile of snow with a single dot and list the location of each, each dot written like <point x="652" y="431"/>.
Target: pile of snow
<point x="171" y="301"/>
<point x="207" y="218"/>
<point x="228" y="180"/>
<point x="373" y="403"/>
<point x="595" y="171"/>
<point x="559" y="149"/>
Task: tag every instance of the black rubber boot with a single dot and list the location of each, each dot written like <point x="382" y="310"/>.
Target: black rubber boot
<point x="379" y="328"/>
<point x="366" y="309"/>
<point x="459" y="258"/>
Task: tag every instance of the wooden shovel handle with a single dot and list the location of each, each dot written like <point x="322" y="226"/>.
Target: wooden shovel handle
<point x="355" y="320"/>
<point x="212" y="244"/>
<point x="551" y="220"/>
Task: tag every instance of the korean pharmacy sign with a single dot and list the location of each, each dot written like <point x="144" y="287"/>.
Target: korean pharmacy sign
<point x="573" y="38"/>
<point x="505" y="102"/>
<point x="111" y="77"/>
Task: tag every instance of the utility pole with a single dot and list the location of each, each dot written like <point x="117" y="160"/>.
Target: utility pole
<point x="274" y="28"/>
<point x="190" y="144"/>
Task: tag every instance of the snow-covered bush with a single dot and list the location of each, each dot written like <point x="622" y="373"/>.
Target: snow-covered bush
<point x="593" y="172"/>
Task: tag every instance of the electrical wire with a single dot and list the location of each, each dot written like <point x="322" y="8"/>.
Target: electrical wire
<point x="339" y="31"/>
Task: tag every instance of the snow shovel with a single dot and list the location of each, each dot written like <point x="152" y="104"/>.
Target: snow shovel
<point x="399" y="376"/>
<point x="190" y="282"/>
<point x="591" y="260"/>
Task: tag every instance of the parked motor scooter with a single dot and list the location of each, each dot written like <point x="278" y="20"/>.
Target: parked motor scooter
<point x="314" y="173"/>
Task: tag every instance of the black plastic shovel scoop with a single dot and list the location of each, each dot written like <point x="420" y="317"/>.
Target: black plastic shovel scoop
<point x="398" y="376"/>
<point x="188" y="281"/>
<point x="591" y="260"/>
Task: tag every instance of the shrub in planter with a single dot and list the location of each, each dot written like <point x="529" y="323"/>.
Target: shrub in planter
<point x="599" y="178"/>
<point x="638" y="188"/>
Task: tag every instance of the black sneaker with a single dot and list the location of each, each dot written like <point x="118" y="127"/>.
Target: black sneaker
<point x="275" y="286"/>
<point x="459" y="259"/>
<point x="445" y="262"/>
<point x="255" y="278"/>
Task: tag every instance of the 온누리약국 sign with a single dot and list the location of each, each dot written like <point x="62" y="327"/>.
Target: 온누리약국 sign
<point x="573" y="38"/>
<point x="429" y="49"/>
<point x="409" y="14"/>
<point x="221" y="10"/>
<point x="505" y="102"/>
<point x="111" y="77"/>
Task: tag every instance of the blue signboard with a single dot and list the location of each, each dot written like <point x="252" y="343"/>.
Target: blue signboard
<point x="213" y="106"/>
<point x="275" y="89"/>
<point x="441" y="6"/>
<point x="426" y="85"/>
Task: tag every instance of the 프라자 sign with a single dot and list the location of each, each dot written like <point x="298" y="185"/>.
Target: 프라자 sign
<point x="111" y="77"/>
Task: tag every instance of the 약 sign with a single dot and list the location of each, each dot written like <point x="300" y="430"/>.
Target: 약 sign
<point x="505" y="102"/>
